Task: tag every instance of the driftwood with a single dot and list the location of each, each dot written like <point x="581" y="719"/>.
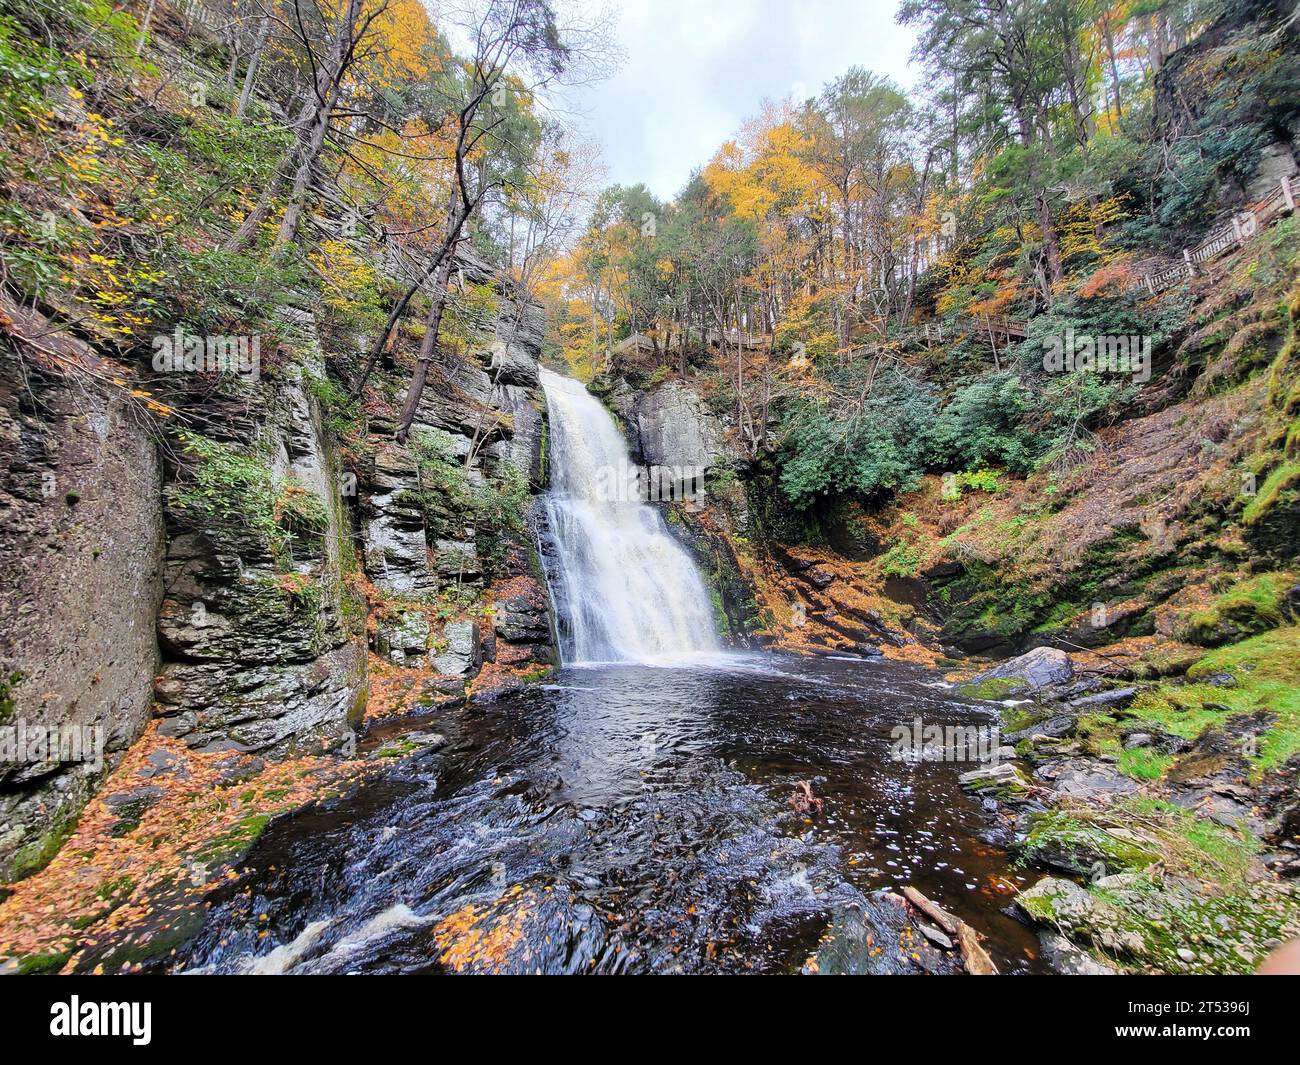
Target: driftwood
<point x="937" y="914"/>
<point x="974" y="957"/>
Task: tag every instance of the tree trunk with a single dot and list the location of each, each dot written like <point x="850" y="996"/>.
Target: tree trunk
<point x="1109" y="35"/>
<point x="250" y="75"/>
<point x="428" y="349"/>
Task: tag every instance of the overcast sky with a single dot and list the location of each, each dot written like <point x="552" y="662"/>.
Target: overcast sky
<point x="694" y="70"/>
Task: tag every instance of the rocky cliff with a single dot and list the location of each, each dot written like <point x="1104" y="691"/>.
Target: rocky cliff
<point x="226" y="551"/>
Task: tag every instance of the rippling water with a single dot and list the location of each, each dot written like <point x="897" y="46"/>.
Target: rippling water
<point x="630" y="818"/>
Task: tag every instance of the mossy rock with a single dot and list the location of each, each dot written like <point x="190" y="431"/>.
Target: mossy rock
<point x="1059" y="841"/>
<point x="991" y="689"/>
<point x="1164" y="925"/>
<point x="1250" y="607"/>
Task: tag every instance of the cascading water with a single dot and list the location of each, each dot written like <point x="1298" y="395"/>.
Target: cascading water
<point x="625" y="591"/>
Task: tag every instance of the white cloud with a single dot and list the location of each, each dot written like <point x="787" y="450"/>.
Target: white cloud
<point x="696" y="69"/>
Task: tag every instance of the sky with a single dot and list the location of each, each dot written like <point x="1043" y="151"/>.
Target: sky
<point x="694" y="70"/>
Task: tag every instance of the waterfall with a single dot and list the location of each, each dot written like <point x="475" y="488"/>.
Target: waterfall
<point x="624" y="590"/>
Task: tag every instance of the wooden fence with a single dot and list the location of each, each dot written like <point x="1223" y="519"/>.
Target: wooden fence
<point x="1229" y="234"/>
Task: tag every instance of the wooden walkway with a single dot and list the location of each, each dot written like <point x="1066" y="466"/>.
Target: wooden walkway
<point x="997" y="325"/>
<point x="1228" y="234"/>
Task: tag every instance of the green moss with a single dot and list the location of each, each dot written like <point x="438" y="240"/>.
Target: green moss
<point x="1202" y="848"/>
<point x="1070" y="839"/>
<point x="1134" y="832"/>
<point x="991" y="688"/>
<point x="1250" y="606"/>
<point x="43" y="964"/>
<point x="36" y="855"/>
<point x="7" y="683"/>
<point x="1150" y="920"/>
<point x="1281" y="486"/>
<point x="231" y="845"/>
<point x="1144" y="763"/>
<point x="903" y="559"/>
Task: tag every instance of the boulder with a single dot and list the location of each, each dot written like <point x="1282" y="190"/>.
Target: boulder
<point x="1034" y="670"/>
<point x="1069" y="960"/>
<point x="1055" y="728"/>
<point x="1116" y="697"/>
<point x="464" y="652"/>
<point x="405" y="640"/>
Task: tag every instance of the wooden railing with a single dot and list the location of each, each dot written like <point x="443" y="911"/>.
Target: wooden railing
<point x="993" y="325"/>
<point x="1229" y="234"/>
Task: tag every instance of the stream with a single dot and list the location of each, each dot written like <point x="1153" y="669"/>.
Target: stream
<point x="629" y="818"/>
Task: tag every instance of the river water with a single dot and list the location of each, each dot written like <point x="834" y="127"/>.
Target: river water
<point x="630" y="819"/>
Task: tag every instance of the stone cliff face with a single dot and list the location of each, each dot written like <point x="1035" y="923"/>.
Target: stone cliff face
<point x="257" y="653"/>
<point x="200" y="568"/>
<point x="81" y="546"/>
<point x="487" y="411"/>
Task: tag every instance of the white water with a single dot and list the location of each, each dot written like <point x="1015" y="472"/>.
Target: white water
<point x="624" y="589"/>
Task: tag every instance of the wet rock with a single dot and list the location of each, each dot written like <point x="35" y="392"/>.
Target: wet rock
<point x="1115" y="698"/>
<point x="1004" y="782"/>
<point x="274" y="705"/>
<point x="862" y="938"/>
<point x="1036" y="669"/>
<point x="411" y="743"/>
<point x="140" y="798"/>
<point x="238" y="770"/>
<point x="1053" y="728"/>
<point x="819" y="578"/>
<point x="130" y="806"/>
<point x="935" y="936"/>
<point x="1067" y="959"/>
<point x="464" y="652"/>
<point x="1145" y="735"/>
<point x="163" y="763"/>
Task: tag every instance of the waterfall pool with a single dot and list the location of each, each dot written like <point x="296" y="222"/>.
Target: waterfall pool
<point x="626" y="818"/>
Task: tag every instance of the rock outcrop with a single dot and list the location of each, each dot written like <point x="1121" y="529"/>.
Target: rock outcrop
<point x="257" y="654"/>
<point x="80" y="580"/>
